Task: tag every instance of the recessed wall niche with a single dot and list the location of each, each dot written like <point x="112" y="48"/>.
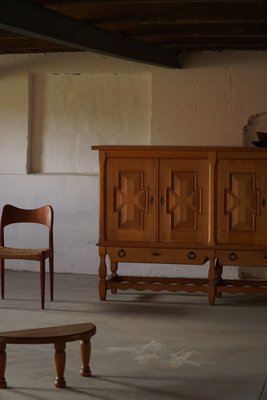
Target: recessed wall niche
<point x="70" y="112"/>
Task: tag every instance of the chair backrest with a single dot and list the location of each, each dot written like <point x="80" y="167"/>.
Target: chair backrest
<point x="12" y="215"/>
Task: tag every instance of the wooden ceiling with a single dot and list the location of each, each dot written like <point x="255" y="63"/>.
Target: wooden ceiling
<point x="150" y="31"/>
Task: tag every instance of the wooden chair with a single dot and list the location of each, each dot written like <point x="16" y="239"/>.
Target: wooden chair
<point x="43" y="215"/>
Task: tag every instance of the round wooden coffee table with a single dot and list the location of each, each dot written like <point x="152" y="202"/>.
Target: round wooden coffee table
<point x="58" y="335"/>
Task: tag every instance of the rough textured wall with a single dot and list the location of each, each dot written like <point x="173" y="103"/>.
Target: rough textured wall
<point x="210" y="100"/>
<point x="71" y="112"/>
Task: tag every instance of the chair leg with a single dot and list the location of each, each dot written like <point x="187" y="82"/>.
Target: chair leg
<point x="42" y="281"/>
<point x="51" y="276"/>
<point x="3" y="383"/>
<point x="2" y="266"/>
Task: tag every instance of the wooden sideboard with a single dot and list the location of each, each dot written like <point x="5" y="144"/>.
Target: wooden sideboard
<point x="182" y="205"/>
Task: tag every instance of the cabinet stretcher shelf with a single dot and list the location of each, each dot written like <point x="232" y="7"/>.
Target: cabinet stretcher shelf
<point x="242" y="286"/>
<point x="157" y="284"/>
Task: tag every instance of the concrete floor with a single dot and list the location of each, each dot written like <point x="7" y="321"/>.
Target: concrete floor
<point x="147" y="346"/>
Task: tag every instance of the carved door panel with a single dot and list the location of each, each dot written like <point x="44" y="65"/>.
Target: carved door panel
<point x="131" y="213"/>
<point x="241" y="198"/>
<point x="184" y="201"/>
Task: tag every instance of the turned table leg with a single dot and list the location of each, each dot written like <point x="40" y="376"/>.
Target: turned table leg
<point x="3" y="383"/>
<point x="60" y="361"/>
<point x="85" y="347"/>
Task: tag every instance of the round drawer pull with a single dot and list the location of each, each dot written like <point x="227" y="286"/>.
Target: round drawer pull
<point x="191" y="255"/>
<point x="156" y="254"/>
<point x="121" y="253"/>
<point x="232" y="256"/>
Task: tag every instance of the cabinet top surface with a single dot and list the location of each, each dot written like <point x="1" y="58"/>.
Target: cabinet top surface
<point x="176" y="148"/>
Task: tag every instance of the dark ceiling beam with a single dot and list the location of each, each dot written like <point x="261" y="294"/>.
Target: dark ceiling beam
<point x="233" y="30"/>
<point x="132" y="28"/>
<point x="147" y="10"/>
<point x="38" y="22"/>
<point x="219" y="42"/>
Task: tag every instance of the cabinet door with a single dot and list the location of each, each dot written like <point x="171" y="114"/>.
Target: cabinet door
<point x="241" y="196"/>
<point x="184" y="201"/>
<point x="131" y="213"/>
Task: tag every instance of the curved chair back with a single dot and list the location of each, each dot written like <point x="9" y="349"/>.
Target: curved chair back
<point x="12" y="215"/>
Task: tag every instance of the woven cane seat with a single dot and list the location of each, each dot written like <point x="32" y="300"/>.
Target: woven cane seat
<point x="23" y="254"/>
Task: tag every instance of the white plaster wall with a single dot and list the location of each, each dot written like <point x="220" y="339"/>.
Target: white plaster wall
<point x="208" y="102"/>
<point x="14" y="120"/>
<point x="71" y="112"/>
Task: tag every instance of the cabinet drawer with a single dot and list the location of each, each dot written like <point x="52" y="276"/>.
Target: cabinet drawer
<point x="240" y="257"/>
<point x="154" y="255"/>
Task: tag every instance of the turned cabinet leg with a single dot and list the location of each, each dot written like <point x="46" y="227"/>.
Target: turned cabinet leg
<point x="60" y="361"/>
<point x="211" y="278"/>
<point x="85" y="347"/>
<point x="3" y="383"/>
<point x="114" y="269"/>
<point x="102" y="275"/>
<point x="218" y="278"/>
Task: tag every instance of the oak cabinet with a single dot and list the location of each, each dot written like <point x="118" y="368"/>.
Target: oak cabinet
<point x="182" y="205"/>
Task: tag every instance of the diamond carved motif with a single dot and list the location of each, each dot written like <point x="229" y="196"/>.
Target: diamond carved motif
<point x="130" y="200"/>
<point x="184" y="201"/>
<point x="242" y="202"/>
